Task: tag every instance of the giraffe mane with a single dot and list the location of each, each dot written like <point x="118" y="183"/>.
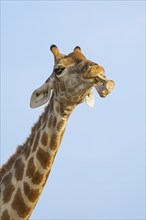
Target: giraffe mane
<point x="20" y="149"/>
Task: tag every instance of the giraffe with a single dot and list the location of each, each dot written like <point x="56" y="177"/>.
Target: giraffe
<point x="24" y="175"/>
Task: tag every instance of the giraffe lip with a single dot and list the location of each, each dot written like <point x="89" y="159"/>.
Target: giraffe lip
<point x="99" y="78"/>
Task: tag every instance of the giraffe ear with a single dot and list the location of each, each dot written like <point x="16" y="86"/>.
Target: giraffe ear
<point x="41" y="96"/>
<point x="90" y="99"/>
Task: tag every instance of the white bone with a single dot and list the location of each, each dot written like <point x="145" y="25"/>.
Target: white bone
<point x="105" y="88"/>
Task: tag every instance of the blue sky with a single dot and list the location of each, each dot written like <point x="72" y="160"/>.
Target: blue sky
<point x="99" y="170"/>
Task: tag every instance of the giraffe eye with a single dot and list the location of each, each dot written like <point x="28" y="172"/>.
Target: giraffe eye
<point x="59" y="70"/>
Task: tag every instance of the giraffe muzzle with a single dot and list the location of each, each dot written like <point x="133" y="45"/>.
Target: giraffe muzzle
<point x="94" y="71"/>
<point x="103" y="85"/>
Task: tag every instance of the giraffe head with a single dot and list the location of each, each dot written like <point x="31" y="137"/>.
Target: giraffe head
<point x="72" y="79"/>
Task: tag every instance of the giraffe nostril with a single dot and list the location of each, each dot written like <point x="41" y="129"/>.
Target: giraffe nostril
<point x="37" y="94"/>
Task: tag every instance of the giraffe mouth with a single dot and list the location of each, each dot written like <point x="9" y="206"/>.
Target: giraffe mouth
<point x="102" y="85"/>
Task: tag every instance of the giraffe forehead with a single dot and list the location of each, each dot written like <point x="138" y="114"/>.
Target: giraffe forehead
<point x="72" y="58"/>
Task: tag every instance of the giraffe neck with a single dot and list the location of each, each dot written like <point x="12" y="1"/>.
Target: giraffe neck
<point x="25" y="174"/>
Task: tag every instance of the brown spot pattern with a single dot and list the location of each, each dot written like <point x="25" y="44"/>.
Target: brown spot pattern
<point x="57" y="109"/>
<point x="60" y="125"/>
<point x="7" y="193"/>
<point x="54" y="142"/>
<point x="7" y="179"/>
<point x="43" y="157"/>
<point x="45" y="119"/>
<point x="54" y="121"/>
<point x="44" y="125"/>
<point x="62" y="109"/>
<point x="31" y="140"/>
<point x="32" y="194"/>
<point x="44" y="139"/>
<point x="27" y="149"/>
<point x="50" y="121"/>
<point x="46" y="178"/>
<point x="36" y="141"/>
<point x="5" y="215"/>
<point x="27" y="152"/>
<point x="19" y="169"/>
<point x="7" y="166"/>
<point x="31" y="168"/>
<point x="19" y="205"/>
<point x="51" y="106"/>
<point x="36" y="176"/>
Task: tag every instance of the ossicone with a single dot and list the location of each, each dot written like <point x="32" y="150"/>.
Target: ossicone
<point x="57" y="55"/>
<point x="53" y="46"/>
<point x="78" y="49"/>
